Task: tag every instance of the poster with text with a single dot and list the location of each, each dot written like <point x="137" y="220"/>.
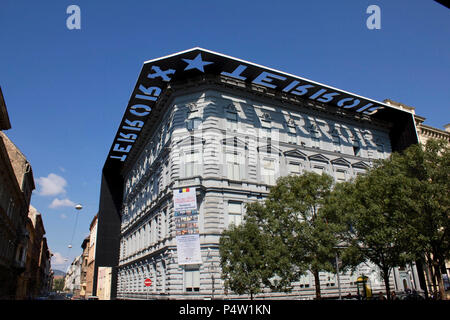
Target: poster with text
<point x="188" y="247"/>
<point x="184" y="199"/>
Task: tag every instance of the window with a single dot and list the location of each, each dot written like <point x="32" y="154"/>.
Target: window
<point x="340" y="175"/>
<point x="318" y="169"/>
<point x="380" y="150"/>
<point x="163" y="276"/>
<point x="266" y="120"/>
<point x="232" y="120"/>
<point x="336" y="144"/>
<point x="292" y="138"/>
<point x="164" y="224"/>
<point x="233" y="169"/>
<point x="166" y="174"/>
<point x="294" y="168"/>
<point x="268" y="171"/>
<point x="356" y="148"/>
<point x="315" y="142"/>
<point x="190" y="165"/>
<point x="193" y="123"/>
<point x="291" y="132"/>
<point x="234" y="213"/>
<point x="266" y="133"/>
<point x="266" y="126"/>
<point x="192" y="280"/>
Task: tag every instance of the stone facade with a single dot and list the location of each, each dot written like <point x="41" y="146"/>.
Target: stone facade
<point x="16" y="185"/>
<point x="73" y="276"/>
<point x="232" y="147"/>
<point x="84" y="267"/>
<point x="90" y="268"/>
<point x="25" y="270"/>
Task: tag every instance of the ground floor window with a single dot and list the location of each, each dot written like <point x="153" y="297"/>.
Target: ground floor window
<point x="192" y="280"/>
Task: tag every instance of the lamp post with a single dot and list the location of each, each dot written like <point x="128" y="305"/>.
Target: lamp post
<point x="78" y="207"/>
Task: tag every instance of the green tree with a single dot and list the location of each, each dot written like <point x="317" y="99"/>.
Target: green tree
<point x="398" y="212"/>
<point x="244" y="258"/>
<point x="58" y="284"/>
<point x="375" y="210"/>
<point x="292" y="215"/>
<point x="427" y="167"/>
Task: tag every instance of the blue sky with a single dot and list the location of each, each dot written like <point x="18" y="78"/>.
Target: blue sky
<point x="66" y="90"/>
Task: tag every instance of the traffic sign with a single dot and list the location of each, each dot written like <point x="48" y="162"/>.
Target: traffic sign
<point x="148" y="282"/>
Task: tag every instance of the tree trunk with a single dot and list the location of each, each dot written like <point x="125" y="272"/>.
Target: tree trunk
<point x="440" y="281"/>
<point x="317" y="284"/>
<point x="433" y="278"/>
<point x="424" y="277"/>
<point x="386" y="283"/>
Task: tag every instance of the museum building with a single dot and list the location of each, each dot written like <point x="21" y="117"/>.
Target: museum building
<point x="225" y="129"/>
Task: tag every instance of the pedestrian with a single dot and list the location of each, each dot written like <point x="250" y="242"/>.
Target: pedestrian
<point x="381" y="296"/>
<point x="393" y="296"/>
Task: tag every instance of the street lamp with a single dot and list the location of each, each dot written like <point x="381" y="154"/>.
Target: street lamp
<point x="78" y="207"/>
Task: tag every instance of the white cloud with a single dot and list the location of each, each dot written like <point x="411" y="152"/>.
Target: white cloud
<point x="63" y="216"/>
<point x="61" y="203"/>
<point x="52" y="185"/>
<point x="57" y="259"/>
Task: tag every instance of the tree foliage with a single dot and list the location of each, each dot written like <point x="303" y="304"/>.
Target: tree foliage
<point x="291" y="214"/>
<point x="397" y="213"/>
<point x="373" y="211"/>
<point x="244" y="258"/>
<point x="427" y="167"/>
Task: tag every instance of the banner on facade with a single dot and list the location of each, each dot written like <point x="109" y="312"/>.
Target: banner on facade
<point x="186" y="225"/>
<point x="186" y="222"/>
<point x="188" y="248"/>
<point x="184" y="199"/>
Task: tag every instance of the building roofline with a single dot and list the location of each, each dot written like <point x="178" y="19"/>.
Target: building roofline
<point x="158" y="77"/>
<point x="5" y="124"/>
<point x="276" y="71"/>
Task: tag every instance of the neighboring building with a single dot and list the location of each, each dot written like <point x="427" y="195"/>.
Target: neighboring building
<point x="228" y="129"/>
<point x="104" y="283"/>
<point x="424" y="131"/>
<point x="37" y="275"/>
<point x="27" y="279"/>
<point x="73" y="277"/>
<point x="16" y="185"/>
<point x="84" y="267"/>
<point x="45" y="273"/>
<point x="91" y="285"/>
<point x="37" y="246"/>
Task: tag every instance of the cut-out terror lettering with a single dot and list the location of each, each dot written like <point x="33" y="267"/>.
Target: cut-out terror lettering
<point x="157" y="74"/>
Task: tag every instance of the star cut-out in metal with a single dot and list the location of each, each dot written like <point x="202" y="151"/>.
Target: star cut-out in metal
<point x="196" y="63"/>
